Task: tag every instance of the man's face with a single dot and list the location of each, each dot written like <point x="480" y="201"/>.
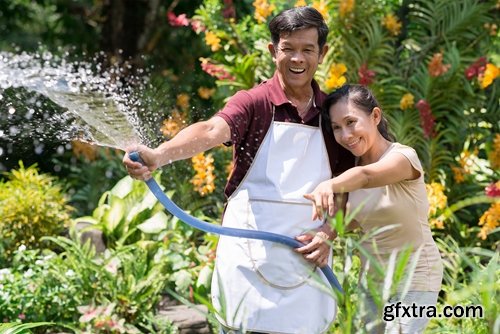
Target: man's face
<point x="297" y="57"/>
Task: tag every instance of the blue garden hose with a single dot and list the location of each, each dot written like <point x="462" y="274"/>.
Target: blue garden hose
<point x="227" y="231"/>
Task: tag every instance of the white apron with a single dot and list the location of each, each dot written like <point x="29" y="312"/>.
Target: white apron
<point x="264" y="286"/>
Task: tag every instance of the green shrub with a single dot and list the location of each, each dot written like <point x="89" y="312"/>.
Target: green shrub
<point x="32" y="205"/>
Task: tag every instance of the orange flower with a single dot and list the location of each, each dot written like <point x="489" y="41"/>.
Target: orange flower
<point x="182" y="101"/>
<point x="336" y="76"/>
<point x="490" y="74"/>
<point x="204" y="179"/>
<point x="407" y="101"/>
<point x="212" y="40"/>
<point x="345" y="7"/>
<point x="206" y="93"/>
<point x="80" y="148"/>
<point x="489" y="220"/>
<point x="437" y="199"/>
<point x="391" y="23"/>
<point x="321" y="7"/>
<point x="458" y="174"/>
<point x="436" y="66"/>
<point x="262" y="10"/>
<point x="300" y="3"/>
<point x="173" y="124"/>
<point x="494" y="155"/>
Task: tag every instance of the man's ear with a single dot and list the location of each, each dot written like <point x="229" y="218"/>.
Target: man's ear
<point x="322" y="53"/>
<point x="272" y="50"/>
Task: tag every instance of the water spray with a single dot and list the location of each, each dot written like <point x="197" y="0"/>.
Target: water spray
<point x="227" y="231"/>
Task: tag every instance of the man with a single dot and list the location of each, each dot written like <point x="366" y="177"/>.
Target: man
<point x="279" y="155"/>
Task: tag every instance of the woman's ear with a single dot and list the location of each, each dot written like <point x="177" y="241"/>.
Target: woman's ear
<point x="377" y="115"/>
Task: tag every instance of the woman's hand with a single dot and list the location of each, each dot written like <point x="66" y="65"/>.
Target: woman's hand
<point x="317" y="248"/>
<point x="323" y="199"/>
<point x="138" y="170"/>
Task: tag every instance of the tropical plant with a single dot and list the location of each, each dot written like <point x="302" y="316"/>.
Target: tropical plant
<point x="32" y="205"/>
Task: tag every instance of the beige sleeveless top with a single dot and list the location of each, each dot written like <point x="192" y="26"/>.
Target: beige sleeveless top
<point x="405" y="206"/>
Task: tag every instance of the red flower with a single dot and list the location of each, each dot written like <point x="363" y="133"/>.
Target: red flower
<point x="427" y="119"/>
<point x="198" y="26"/>
<point x="476" y="68"/>
<point x="177" y="21"/>
<point x="229" y="11"/>
<point x="366" y="76"/>
<point x="492" y="190"/>
<point x="215" y="70"/>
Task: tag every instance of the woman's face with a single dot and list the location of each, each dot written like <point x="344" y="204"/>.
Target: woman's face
<point x="353" y="128"/>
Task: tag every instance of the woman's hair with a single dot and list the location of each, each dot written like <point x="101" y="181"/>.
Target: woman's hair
<point x="362" y="98"/>
<point x="298" y="18"/>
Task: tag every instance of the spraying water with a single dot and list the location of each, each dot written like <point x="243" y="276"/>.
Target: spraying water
<point x="96" y="106"/>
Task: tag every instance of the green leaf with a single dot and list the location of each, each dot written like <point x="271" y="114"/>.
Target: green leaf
<point x="155" y="224"/>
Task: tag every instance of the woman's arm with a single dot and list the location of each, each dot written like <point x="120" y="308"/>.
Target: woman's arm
<point x="393" y="168"/>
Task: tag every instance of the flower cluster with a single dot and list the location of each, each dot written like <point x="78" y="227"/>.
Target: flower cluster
<point x="475" y="69"/>
<point x="407" y="101"/>
<point x="212" y="41"/>
<point x="488" y="76"/>
<point x="182" y="101"/>
<point x="494" y="155"/>
<point x="173" y="124"/>
<point x="427" y="119"/>
<point x="206" y="93"/>
<point x="214" y="70"/>
<point x="437" y="202"/>
<point x="204" y="179"/>
<point x="366" y="76"/>
<point x="336" y="76"/>
<point x="345" y="7"/>
<point x="103" y="319"/>
<point x="436" y="66"/>
<point x="300" y="3"/>
<point x="262" y="10"/>
<point x="493" y="189"/>
<point x="177" y="21"/>
<point x="489" y="220"/>
<point x="321" y="7"/>
<point x="392" y="24"/>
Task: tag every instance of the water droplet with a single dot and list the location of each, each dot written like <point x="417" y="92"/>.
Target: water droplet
<point x="12" y="110"/>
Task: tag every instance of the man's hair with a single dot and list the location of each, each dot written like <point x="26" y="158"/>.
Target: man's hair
<point x="296" y="19"/>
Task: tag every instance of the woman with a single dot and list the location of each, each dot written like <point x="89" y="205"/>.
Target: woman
<point x="388" y="185"/>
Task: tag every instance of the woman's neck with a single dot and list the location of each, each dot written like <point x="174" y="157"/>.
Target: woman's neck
<point x="377" y="150"/>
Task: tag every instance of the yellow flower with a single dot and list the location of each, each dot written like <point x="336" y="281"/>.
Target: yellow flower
<point x="346" y="6"/>
<point x="391" y="23"/>
<point x="204" y="179"/>
<point x="206" y="93"/>
<point x="182" y="101"/>
<point x="458" y="174"/>
<point x="212" y="40"/>
<point x="173" y="124"/>
<point x="494" y="155"/>
<point x="407" y="101"/>
<point x="490" y="73"/>
<point x="300" y="3"/>
<point x="466" y="160"/>
<point x="262" y="10"/>
<point x="489" y="220"/>
<point x="437" y="198"/>
<point x="336" y="76"/>
<point x="229" y="169"/>
<point x="321" y="7"/>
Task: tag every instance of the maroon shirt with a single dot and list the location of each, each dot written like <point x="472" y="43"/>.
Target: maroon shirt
<point x="249" y="115"/>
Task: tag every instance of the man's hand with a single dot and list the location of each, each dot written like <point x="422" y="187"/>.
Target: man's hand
<point x="317" y="248"/>
<point x="138" y="170"/>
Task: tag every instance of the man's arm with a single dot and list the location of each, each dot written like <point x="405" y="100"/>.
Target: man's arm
<point x="194" y="139"/>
